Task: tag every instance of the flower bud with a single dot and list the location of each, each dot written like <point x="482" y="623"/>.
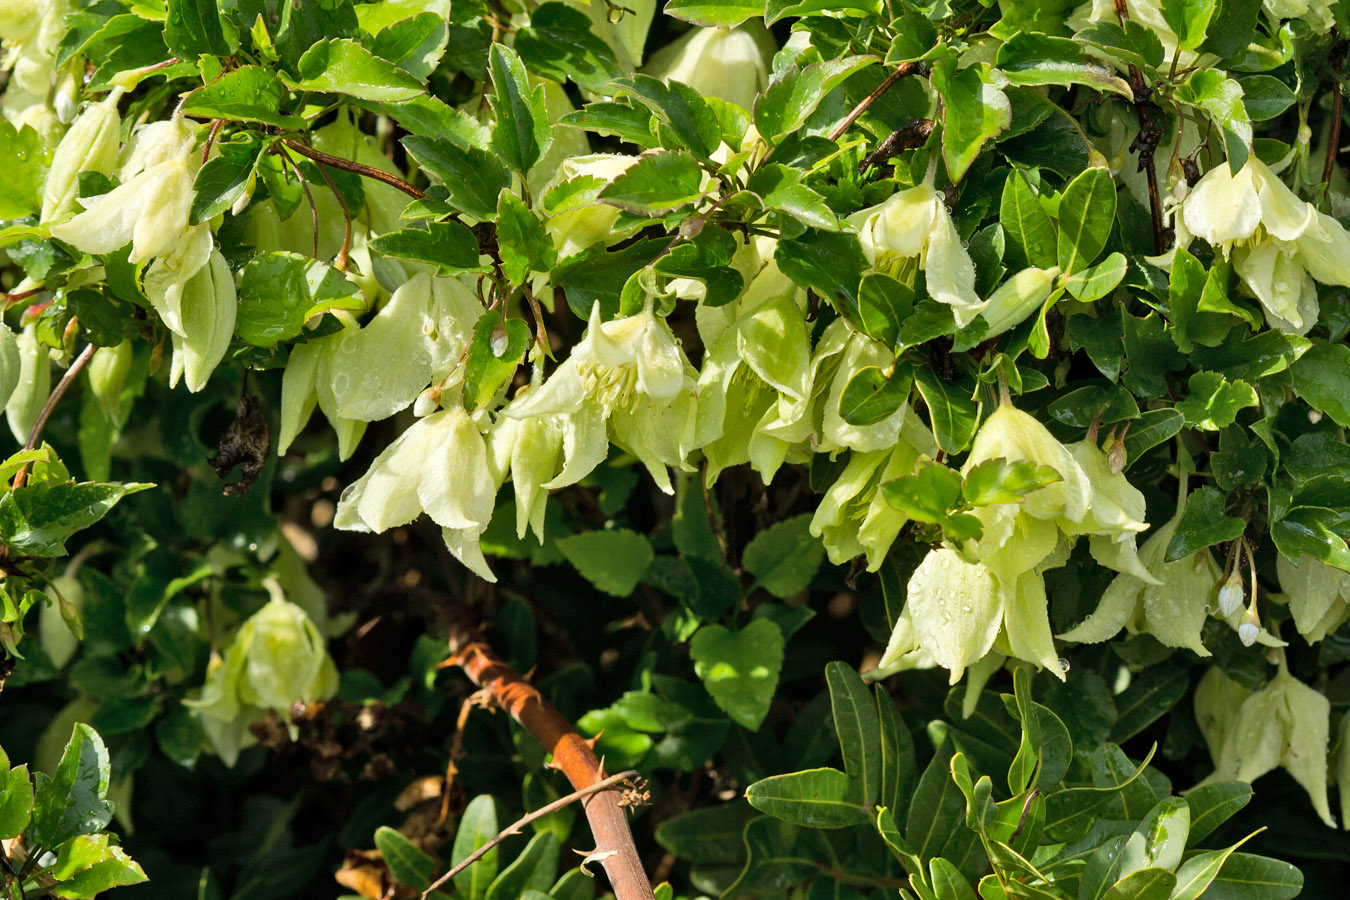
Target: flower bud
<point x="731" y="64"/>
<point x="108" y="370"/>
<point x="11" y="363"/>
<point x="208" y="311"/>
<point x="90" y="145"/>
<point x="33" y="385"/>
<point x="1250" y="628"/>
<point x="1231" y="596"/>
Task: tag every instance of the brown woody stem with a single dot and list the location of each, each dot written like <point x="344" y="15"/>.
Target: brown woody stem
<point x="347" y="165"/>
<point x="901" y="71"/>
<point x="76" y="367"/>
<point x="571" y="753"/>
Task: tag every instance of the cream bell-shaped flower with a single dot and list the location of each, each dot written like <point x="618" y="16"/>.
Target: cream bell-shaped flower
<point x="1318" y="595"/>
<point x="628" y="374"/>
<point x="1115" y="515"/>
<point x="731" y="64"/>
<point x="854" y="517"/>
<point x="277" y="658"/>
<point x="915" y="224"/>
<point x="90" y="145"/>
<point x="438" y="466"/>
<point x="755" y="387"/>
<point x="1279" y="244"/>
<point x="208" y="310"/>
<point x="1172" y="604"/>
<point x="1285" y="724"/>
<point x="149" y="209"/>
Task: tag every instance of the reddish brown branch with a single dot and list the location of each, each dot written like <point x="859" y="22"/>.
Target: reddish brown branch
<point x="347" y="165"/>
<point x="901" y="71"/>
<point x="571" y="753"/>
<point x="21" y="477"/>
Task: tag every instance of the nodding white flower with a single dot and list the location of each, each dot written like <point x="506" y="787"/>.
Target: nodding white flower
<point x="957" y="612"/>
<point x="1279" y="244"/>
<point x="1318" y="595"/>
<point x="576" y="227"/>
<point x="854" y="517"/>
<point x="11" y="364"/>
<point x="90" y="145"/>
<point x="628" y="374"/>
<point x="755" y="387"/>
<point x="731" y="64"/>
<point x="915" y="224"/>
<point x="32" y="384"/>
<point x="1231" y="595"/>
<point x="150" y="208"/>
<point x="1249" y="733"/>
<point x="278" y="657"/>
<point x="439" y="466"/>
<point x="1172" y="604"/>
<point x="1316" y="14"/>
<point x="208" y="309"/>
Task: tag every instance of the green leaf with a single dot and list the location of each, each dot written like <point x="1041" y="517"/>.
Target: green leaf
<point x="1159" y="839"/>
<point x="1221" y="97"/>
<point x="560" y="45"/>
<point x="1214" y="402"/>
<point x="37" y="519"/>
<point x="951" y="409"/>
<point x="1028" y="227"/>
<point x="830" y="263"/>
<point x="948" y="882"/>
<point x="1151" y="694"/>
<point x="224" y="179"/>
<point x="73" y="801"/>
<point x="777" y="9"/>
<point x="1322" y="378"/>
<point x="625" y="121"/>
<point x="1197" y="873"/>
<point x="1087" y="210"/>
<point x="87" y="865"/>
<point x="657" y="183"/>
<point x="914" y="36"/>
<point x="304" y="23"/>
<point x="937" y="809"/>
<point x="898" y="767"/>
<point x="533" y="869"/>
<point x="280" y="291"/>
<point x="926" y="496"/>
<point x="1312" y="530"/>
<point x="22" y="170"/>
<point x="975" y="111"/>
<point x="883" y="304"/>
<point x="449" y="245"/>
<point x="784" y="557"/>
<point x="791" y="99"/>
<point x="477" y="826"/>
<point x="871" y="395"/>
<point x="715" y="13"/>
<point x="1097" y="281"/>
<point x="815" y="798"/>
<point x="415" y="44"/>
<point x="16" y="801"/>
<point x="1129" y="42"/>
<point x="680" y="108"/>
<point x="1204" y="523"/>
<point x="409" y="864"/>
<point x="1028" y="58"/>
<point x="1189" y="20"/>
<point x="1246" y="876"/>
<point x="346" y="67"/>
<point x="524" y="245"/>
<point x="521" y="134"/>
<point x="740" y="669"/>
<point x="996" y="481"/>
<point x="708" y="834"/>
<point x="193" y="27"/>
<point x="598" y="274"/>
<point x="496" y="348"/>
<point x="1265" y="96"/>
<point x="249" y="94"/>
<point x="473" y="176"/>
<point x="1213" y="804"/>
<point x="1144" y="884"/>
<point x="1151" y="428"/>
<point x="614" y="561"/>
<point x="858" y="729"/>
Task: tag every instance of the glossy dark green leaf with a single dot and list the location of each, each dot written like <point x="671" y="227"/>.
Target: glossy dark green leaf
<point x="626" y="121"/>
<point x="1220" y="96"/>
<point x="279" y="292"/>
<point x="1152" y="694"/>
<point x="1203" y="524"/>
<point x="952" y="411"/>
<point x="830" y="263"/>
<point x="791" y="99"/>
<point x="1035" y="59"/>
<point x="249" y="93"/>
<point x="477" y="826"/>
<point x="780" y="187"/>
<point x="1322" y="378"/>
<point x="559" y="44"/>
<point x="38" y="519"/>
<point x="858" y="728"/>
<point x="346" y="67"/>
<point x="871" y="395"/>
<point x="473" y="176"/>
<point x="657" y="183"/>
<point x="1151" y="428"/>
<point x="1143" y="884"/>
<point x="1029" y="229"/>
<point x="1246" y="876"/>
<point x="1188" y="19"/>
<point x="1087" y="210"/>
<point x="532" y="870"/>
<point x="521" y="134"/>
<point x="1214" y="402"/>
<point x="521" y="239"/>
<point x="449" y="245"/>
<point x="975" y="112"/>
<point x="409" y="864"/>
<point x="496" y="348"/>
<point x="714" y="13"/>
<point x="73" y="800"/>
<point x="1213" y="804"/>
<point x="815" y="798"/>
<point x="224" y="179"/>
<point x="691" y="121"/>
<point x="784" y="557"/>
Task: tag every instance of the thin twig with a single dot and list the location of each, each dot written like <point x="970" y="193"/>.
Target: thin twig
<point x="21" y="477"/>
<point x="313" y="210"/>
<point x="341" y="262"/>
<point x="1337" y="61"/>
<point x="347" y="165"/>
<point x="514" y="828"/>
<point x="901" y="71"/>
<point x="7" y="299"/>
<point x="211" y="139"/>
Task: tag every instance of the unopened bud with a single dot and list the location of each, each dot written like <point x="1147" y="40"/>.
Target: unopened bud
<point x="1250" y="627"/>
<point x="1231" y="595"/>
<point x="427" y="402"/>
<point x="1314" y="416"/>
<point x="108" y="370"/>
<point x="1115" y="456"/>
<point x="500" y="341"/>
<point x="90" y="145"/>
